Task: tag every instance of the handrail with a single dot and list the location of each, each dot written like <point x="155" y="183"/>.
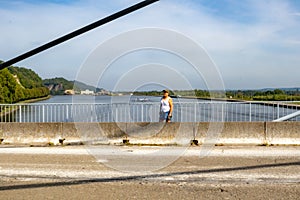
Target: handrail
<point x="287" y="117"/>
<point x="146" y="112"/>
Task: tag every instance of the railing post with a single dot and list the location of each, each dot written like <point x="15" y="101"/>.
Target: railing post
<point x="195" y="111"/>
<point x="278" y="111"/>
<point x="223" y="112"/>
<point x="142" y="113"/>
<point x="91" y="112"/>
<point x="250" y="113"/>
<point x="116" y="113"/>
<point x="20" y="113"/>
<point x="67" y="112"/>
<point x="43" y="114"/>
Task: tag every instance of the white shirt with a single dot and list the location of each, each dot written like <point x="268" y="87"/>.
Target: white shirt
<point x="165" y="105"/>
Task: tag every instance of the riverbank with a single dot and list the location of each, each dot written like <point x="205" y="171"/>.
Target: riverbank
<point x="211" y="99"/>
<point x="34" y="100"/>
<point x="284" y="104"/>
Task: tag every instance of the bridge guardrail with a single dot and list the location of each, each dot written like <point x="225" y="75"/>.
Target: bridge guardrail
<point x="147" y="112"/>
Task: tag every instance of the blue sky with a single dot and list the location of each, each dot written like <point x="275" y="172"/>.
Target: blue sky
<point x="254" y="43"/>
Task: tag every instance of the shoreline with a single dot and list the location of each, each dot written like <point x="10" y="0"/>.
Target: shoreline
<point x="4" y="112"/>
<point x="262" y="102"/>
<point x="34" y="100"/>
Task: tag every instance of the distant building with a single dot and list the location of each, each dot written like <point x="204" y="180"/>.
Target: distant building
<point x="103" y="92"/>
<point x="69" y="92"/>
<point x="87" y="92"/>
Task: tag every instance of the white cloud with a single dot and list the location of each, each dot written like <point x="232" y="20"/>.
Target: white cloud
<point x="262" y="39"/>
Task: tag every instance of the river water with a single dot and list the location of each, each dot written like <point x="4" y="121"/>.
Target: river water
<point x="85" y="108"/>
<point x="125" y="108"/>
<point x="98" y="99"/>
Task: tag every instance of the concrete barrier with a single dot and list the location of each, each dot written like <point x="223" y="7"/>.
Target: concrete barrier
<point x="31" y="133"/>
<point x="283" y="133"/>
<point x="240" y="133"/>
<point x="228" y="133"/>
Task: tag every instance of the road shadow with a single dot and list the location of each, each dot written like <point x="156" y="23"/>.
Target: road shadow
<point x="140" y="177"/>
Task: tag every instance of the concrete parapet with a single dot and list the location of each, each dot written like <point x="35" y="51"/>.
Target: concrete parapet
<point x="97" y="133"/>
<point x="227" y="133"/>
<point x="30" y="133"/>
<point x="283" y="133"/>
<point x="242" y="133"/>
<point x="159" y="133"/>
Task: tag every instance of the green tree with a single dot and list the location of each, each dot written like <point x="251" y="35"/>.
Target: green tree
<point x="17" y="84"/>
<point x="278" y="91"/>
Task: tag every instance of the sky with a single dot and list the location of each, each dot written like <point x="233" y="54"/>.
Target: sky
<point x="253" y="44"/>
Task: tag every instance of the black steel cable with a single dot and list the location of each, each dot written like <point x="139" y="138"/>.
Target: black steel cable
<point x="77" y="32"/>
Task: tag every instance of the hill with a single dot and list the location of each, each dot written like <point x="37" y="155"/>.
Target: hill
<point x="19" y="84"/>
<point x="58" y="85"/>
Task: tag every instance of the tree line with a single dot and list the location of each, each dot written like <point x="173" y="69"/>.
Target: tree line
<point x="266" y="95"/>
<point x="19" y="84"/>
<point x="255" y="95"/>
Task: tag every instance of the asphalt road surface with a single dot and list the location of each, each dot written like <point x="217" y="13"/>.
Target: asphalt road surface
<point x="140" y="172"/>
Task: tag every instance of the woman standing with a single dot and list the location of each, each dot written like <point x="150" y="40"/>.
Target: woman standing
<point x="166" y="107"/>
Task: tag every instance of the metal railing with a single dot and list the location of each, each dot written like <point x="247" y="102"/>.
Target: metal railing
<point x="147" y="112"/>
